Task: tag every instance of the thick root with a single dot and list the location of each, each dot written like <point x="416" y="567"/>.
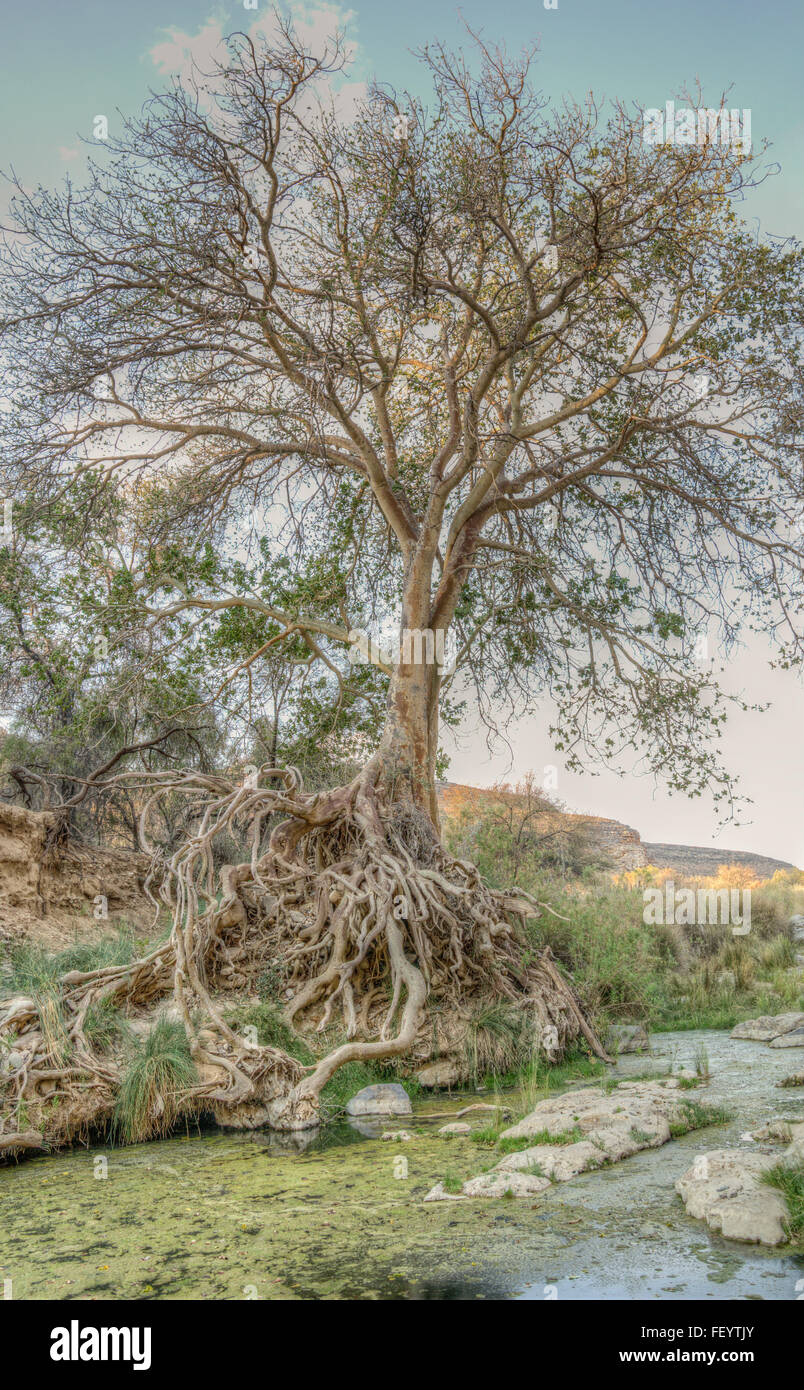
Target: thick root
<point x="369" y="927"/>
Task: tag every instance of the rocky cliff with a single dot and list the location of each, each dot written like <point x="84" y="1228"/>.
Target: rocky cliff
<point x="620" y="844"/>
<point x="694" y="861"/>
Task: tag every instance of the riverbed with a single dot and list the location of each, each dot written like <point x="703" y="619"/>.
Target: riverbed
<point x="224" y="1215"/>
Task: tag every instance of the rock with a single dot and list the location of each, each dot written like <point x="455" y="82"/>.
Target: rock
<point x="767" y="1027"/>
<point x="557" y="1161"/>
<point x="444" y="1072"/>
<point x="636" y="1115"/>
<point x="621" y="1138"/>
<point x="778" y="1131"/>
<point x="387" y="1098"/>
<point x="795" y="1079"/>
<point x="504" y="1184"/>
<point x="793" y="1039"/>
<point x="797" y="925"/>
<point x="398" y="1136"/>
<point x="723" y="1189"/>
<point x="647" y="1107"/>
<point x="758" y="1217"/>
<point x="13" y="1061"/>
<point x="457" y="1128"/>
<point x="630" y="1037"/>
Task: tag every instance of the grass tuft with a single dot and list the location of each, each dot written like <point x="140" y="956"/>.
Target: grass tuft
<point x="29" y="967"/>
<point x="500" y="1040"/>
<point x="159" y="1069"/>
<point x="697" y="1116"/>
<point x="104" y="1025"/>
<point x="788" y="1178"/>
<point x="272" y="1030"/>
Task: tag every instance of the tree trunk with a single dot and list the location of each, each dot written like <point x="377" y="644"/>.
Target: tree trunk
<point x="407" y="749"/>
<point x="409" y="743"/>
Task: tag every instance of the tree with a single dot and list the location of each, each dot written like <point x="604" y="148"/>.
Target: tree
<point x="499" y="373"/>
<point x="514" y="832"/>
<point x="80" y="685"/>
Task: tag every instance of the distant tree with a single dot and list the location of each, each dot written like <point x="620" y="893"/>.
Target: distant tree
<point x="514" y="832"/>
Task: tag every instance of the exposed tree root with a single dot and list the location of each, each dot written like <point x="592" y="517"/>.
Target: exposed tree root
<point x="370" y="927"/>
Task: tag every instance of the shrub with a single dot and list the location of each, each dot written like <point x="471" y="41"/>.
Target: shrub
<point x="346" y="1082"/>
<point x="616" y="961"/>
<point x="772" y="906"/>
<point x="777" y="954"/>
<point x="52" y="1022"/>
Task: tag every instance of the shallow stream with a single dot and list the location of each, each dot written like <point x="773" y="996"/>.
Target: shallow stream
<point x="223" y="1215"/>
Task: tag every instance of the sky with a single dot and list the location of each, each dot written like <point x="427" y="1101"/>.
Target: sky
<point x="67" y="63"/>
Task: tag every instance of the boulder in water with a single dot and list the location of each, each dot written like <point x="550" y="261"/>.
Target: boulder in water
<point x="387" y="1098"/>
<point x="767" y="1027"/>
<point x="724" y="1189"/>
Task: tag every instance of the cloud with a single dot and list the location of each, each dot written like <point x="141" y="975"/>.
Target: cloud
<point x="180" y="51"/>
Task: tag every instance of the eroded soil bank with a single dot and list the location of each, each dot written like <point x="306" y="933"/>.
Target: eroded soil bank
<point x="234" y="1216"/>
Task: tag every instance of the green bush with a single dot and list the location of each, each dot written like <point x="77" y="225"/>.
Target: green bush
<point x="617" y="963"/>
<point x="670" y="976"/>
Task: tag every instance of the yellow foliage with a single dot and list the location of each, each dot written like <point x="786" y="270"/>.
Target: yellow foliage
<point x="735" y="876"/>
